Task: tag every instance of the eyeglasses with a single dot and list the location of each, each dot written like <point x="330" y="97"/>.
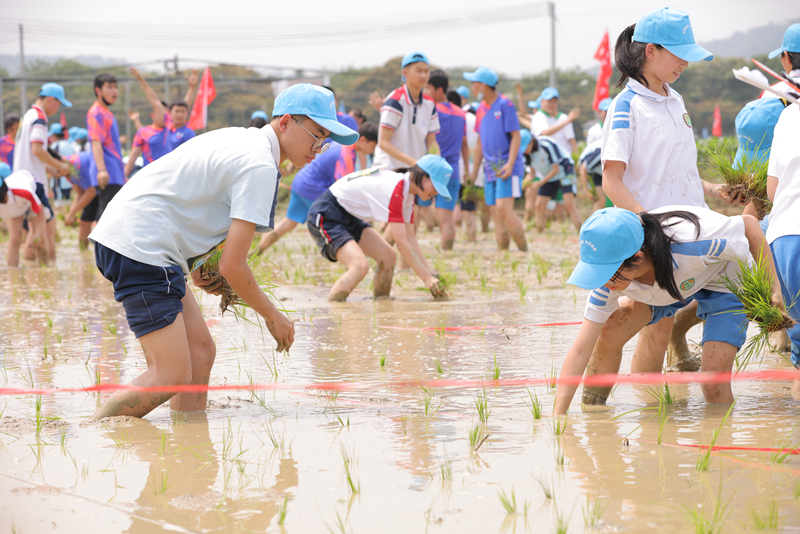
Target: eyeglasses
<point x="319" y="145"/>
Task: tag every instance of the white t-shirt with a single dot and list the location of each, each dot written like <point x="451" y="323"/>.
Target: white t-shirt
<point x="784" y="164"/>
<point x="180" y="207"/>
<point x="472" y="140"/>
<point x="699" y="262"/>
<point x="653" y="136"/>
<point x="542" y="121"/>
<point x="411" y="122"/>
<point x="32" y="129"/>
<point x="595" y="133"/>
<point x="783" y="86"/>
<point x="21" y="196"/>
<point x="382" y="196"/>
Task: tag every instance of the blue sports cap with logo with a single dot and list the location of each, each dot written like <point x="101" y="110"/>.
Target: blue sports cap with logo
<point x="482" y="75"/>
<point x="791" y="41"/>
<point x="604" y="104"/>
<point x="755" y="126"/>
<point x="525" y="139"/>
<point x="463" y="91"/>
<point x="318" y="104"/>
<point x="535" y="104"/>
<point x="549" y="93"/>
<point x="671" y="29"/>
<point x="608" y="238"/>
<point x="259" y="115"/>
<point x="440" y="172"/>
<point x="57" y="92"/>
<point x="414" y="57"/>
<point x="55" y="129"/>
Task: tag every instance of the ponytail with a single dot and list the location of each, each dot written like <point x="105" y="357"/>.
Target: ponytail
<point x="629" y="56"/>
<point x="417" y="174"/>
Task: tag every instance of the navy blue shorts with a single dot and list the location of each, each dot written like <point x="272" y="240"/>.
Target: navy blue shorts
<point x="150" y="295"/>
<point x="597" y="179"/>
<point x="550" y="189"/>
<point x="332" y="226"/>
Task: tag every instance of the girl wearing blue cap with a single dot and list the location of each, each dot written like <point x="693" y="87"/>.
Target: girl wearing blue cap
<point x="642" y="268"/>
<point x="337" y="222"/>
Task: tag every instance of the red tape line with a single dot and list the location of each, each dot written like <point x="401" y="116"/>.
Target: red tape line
<point x="486" y="327"/>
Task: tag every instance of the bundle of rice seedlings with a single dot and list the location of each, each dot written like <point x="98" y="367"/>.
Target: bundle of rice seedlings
<point x="753" y="288"/>
<point x="749" y="178"/>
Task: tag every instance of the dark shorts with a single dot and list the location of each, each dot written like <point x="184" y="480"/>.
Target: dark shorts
<point x="331" y="226"/>
<point x="105" y="196"/>
<point x="466" y="205"/>
<point x="89" y="213"/>
<point x="551" y="189"/>
<point x="45" y="201"/>
<point x="150" y="295"/>
<point x="597" y="179"/>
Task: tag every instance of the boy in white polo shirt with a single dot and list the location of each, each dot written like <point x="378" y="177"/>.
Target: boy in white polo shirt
<point x="553" y="123"/>
<point x="216" y="191"/>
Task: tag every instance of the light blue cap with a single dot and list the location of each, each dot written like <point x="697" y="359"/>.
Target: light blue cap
<point x="482" y="75"/>
<point x="755" y="126"/>
<point x="259" y="115"/>
<point x="608" y="238"/>
<point x="604" y="104"/>
<point x="671" y="29"/>
<point x="83" y="133"/>
<point x="73" y="132"/>
<point x="414" y="57"/>
<point x="463" y="91"/>
<point x="440" y="172"/>
<point x="535" y="104"/>
<point x="548" y="93"/>
<point x="57" y="92"/>
<point x="318" y="104"/>
<point x="5" y="171"/>
<point x="791" y="41"/>
<point x="525" y="139"/>
<point x="55" y="129"/>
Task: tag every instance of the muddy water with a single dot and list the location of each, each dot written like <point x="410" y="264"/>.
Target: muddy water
<point x="231" y="468"/>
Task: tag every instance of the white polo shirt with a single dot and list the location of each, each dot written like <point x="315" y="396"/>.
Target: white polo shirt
<point x="595" y="133"/>
<point x="783" y="86"/>
<point x="472" y="140"/>
<point x="542" y="121"/>
<point x="411" y="121"/>
<point x="32" y="129"/>
<point x="21" y="196"/>
<point x="653" y="136"/>
<point x="784" y="164"/>
<point x="382" y="196"/>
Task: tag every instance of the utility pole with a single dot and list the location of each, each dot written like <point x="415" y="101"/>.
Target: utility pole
<point x="23" y="96"/>
<point x="552" y="10"/>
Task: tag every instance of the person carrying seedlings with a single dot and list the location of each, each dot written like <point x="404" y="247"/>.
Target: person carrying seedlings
<point x="589" y="164"/>
<point x="553" y="123"/>
<point x="789" y="53"/>
<point x="212" y="195"/>
<point x="337" y="222"/>
<point x="498" y="145"/>
<point x="641" y="268"/>
<point x="85" y="200"/>
<point x="558" y="173"/>
<point x="314" y="179"/>
<point x="18" y="200"/>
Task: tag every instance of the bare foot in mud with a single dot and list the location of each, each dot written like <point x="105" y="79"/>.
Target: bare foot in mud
<point x="341" y="296"/>
<point x="595" y="395"/>
<point x="685" y="361"/>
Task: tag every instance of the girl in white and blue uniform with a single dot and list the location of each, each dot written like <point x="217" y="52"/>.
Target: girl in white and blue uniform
<point x="590" y="164"/>
<point x="642" y="268"/>
<point x="549" y="160"/>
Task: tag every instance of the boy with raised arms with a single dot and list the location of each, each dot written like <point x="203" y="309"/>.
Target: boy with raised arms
<point x="221" y="187"/>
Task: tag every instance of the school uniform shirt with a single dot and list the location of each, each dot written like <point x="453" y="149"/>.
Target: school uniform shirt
<point x="178" y="136"/>
<point x="783" y="86"/>
<point x="652" y="134"/>
<point x="591" y="157"/>
<point x="32" y="129"/>
<point x="152" y="141"/>
<point x="315" y="178"/>
<point x="103" y="127"/>
<point x="82" y="163"/>
<point x="472" y="140"/>
<point x="180" y="206"/>
<point x="542" y="121"/>
<point x="382" y="196"/>
<point x="347" y="120"/>
<point x="595" y="133"/>
<point x="7" y="150"/>
<point x="784" y="164"/>
<point x="21" y="195"/>
<point x="549" y="153"/>
<point x="698" y="262"/>
<point x="412" y="120"/>
<point x="494" y="125"/>
<point x="450" y="138"/>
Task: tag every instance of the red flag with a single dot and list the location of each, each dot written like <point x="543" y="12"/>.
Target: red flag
<point x="716" y="129"/>
<point x="206" y="93"/>
<point x="603" y="55"/>
<point x="63" y="120"/>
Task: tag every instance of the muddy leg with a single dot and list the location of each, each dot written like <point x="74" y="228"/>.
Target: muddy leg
<point x="379" y="250"/>
<point x="505" y="207"/>
<point x="678" y="353"/>
<point x="648" y="356"/>
<point x="357" y="268"/>
<point x="717" y="358"/>
<point x="500" y="230"/>
<point x="270" y="238"/>
<point x="448" y="228"/>
<point x="202" y="351"/>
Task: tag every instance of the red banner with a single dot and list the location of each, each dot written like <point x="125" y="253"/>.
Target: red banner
<point x="63" y="120"/>
<point x="603" y="55"/>
<point x="716" y="129"/>
<point x="206" y="92"/>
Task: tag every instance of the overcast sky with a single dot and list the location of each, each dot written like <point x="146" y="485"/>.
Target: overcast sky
<point x="333" y="35"/>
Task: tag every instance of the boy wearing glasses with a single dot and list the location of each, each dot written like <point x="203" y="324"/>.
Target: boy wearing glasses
<point x="221" y="187"/>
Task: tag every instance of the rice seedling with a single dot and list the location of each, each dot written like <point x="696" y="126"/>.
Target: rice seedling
<point x="558" y="455"/>
<point x="39" y="421"/>
<point x="447" y="280"/>
<point x="748" y="177"/>
<point x="160" y="482"/>
<point x="542" y="267"/>
<point x="49" y="321"/>
<point x="704" y="455"/>
<point x="273" y="369"/>
<point x="383" y="358"/>
<point x="347" y="458"/>
<point x="593" y="511"/>
<point x="514" y="266"/>
<point x="796" y="490"/>
<point x="509" y="503"/>
<point x="781" y="451"/>
<point x="562" y="523"/>
<point x="523" y="289"/>
<point x="485" y="289"/>
<point x="768" y="521"/>
<point x="438" y="365"/>
<point x="278" y="442"/>
<point x="124" y="441"/>
<point x="112" y="328"/>
<point x="283" y="509"/>
<point x="482" y="405"/>
<point x="535" y="406"/>
<point x="162" y="443"/>
<point x="559" y="425"/>
<point x="545" y="485"/>
<point x="474" y="435"/>
<point x="495" y="371"/>
<point x="446" y="467"/>
<point x="428" y="402"/>
<point x="552" y="380"/>
<point x="661" y="395"/>
<point x="714" y="523"/>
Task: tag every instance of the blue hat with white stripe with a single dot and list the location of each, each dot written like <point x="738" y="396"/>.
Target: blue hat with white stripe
<point x="791" y="41"/>
<point x="608" y="238"/>
<point x="318" y="104"/>
<point x="755" y="126"/>
<point x="482" y="75"/>
<point x="440" y="172"/>
<point x="463" y="91"/>
<point x="671" y="29"/>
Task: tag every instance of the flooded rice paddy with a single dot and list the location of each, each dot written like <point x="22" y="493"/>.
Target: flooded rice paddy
<point x="378" y="458"/>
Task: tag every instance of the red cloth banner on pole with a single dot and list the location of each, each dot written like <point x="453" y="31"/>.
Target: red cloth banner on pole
<point x="206" y="93"/>
<point x="63" y="120"/>
<point x="603" y="55"/>
<point x="716" y="129"/>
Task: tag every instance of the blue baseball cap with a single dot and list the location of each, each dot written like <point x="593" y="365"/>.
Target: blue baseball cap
<point x="791" y="41"/>
<point x="608" y="238"/>
<point x="56" y="129"/>
<point x="548" y="93"/>
<point x="535" y="104"/>
<point x="73" y="132"/>
<point x="440" y="172"/>
<point x="414" y="57"/>
<point x="482" y="75"/>
<point x="5" y="171"/>
<point x="604" y="104"/>
<point x="525" y="139"/>
<point x="463" y="91"/>
<point x="259" y="115"/>
<point x="755" y="126"/>
<point x="318" y="104"/>
<point x="671" y="29"/>
<point x="83" y="133"/>
<point x="57" y="92"/>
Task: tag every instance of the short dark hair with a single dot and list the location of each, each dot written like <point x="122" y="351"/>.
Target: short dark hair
<point x="103" y="79"/>
<point x="369" y="131"/>
<point x="629" y="56"/>
<point x="794" y="59"/>
<point x="178" y="103"/>
<point x="357" y="114"/>
<point x="439" y="79"/>
<point x="453" y="97"/>
<point x="329" y="88"/>
<point x="55" y="154"/>
<point x="258" y="122"/>
<point x="10" y="121"/>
